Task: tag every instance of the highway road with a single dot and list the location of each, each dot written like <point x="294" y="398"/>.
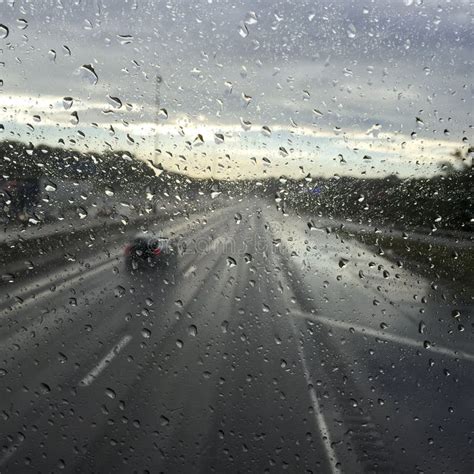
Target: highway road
<point x="272" y="346"/>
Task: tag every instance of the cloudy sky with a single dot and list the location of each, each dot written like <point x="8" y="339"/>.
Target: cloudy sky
<point x="248" y="88"/>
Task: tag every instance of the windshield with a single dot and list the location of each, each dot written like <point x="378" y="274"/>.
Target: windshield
<point x="236" y="236"/>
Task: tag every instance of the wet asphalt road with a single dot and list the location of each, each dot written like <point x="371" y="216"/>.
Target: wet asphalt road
<point x="270" y="347"/>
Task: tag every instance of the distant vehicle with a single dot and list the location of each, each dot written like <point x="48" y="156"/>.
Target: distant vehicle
<point x="147" y="250"/>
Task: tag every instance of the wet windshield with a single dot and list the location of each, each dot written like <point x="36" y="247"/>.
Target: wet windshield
<point x="236" y="236"/>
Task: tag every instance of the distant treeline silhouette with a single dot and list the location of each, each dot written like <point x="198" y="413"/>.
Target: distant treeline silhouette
<point x="442" y="201"/>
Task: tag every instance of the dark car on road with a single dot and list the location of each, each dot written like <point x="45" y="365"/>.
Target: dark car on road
<point x="147" y="250"/>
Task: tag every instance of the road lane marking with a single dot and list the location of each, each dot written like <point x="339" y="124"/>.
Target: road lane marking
<point x="11" y="450"/>
<point x="104" y="363"/>
<point x="44" y="289"/>
<point x="459" y="354"/>
<point x="188" y="272"/>
<point x="318" y="413"/>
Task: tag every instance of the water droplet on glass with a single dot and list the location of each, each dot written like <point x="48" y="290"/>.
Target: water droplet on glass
<point x="162" y="114"/>
<point x="114" y="101"/>
<point x="422" y="327"/>
<point x="351" y="31"/>
<point x="87" y="71"/>
<point x="110" y="393"/>
<point x="125" y="39"/>
<point x="22" y="23"/>
<point x="192" y="330"/>
<point x="266" y="131"/>
<point x="50" y="187"/>
<point x="74" y="118"/>
<point x="343" y="262"/>
<point x="4" y="31"/>
<point x="251" y="18"/>
<point x="67" y="102"/>
<point x="219" y="138"/>
<point x="119" y="291"/>
<point x="224" y="326"/>
<point x="45" y="388"/>
<point x="246" y="98"/>
<point x="243" y="31"/>
<point x="246" y="124"/>
<point x="82" y="213"/>
<point x="199" y="140"/>
<point x="146" y="333"/>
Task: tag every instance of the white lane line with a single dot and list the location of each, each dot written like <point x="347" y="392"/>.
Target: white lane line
<point x="188" y="272"/>
<point x="103" y="364"/>
<point x="318" y="413"/>
<point x="11" y="450"/>
<point x="44" y="290"/>
<point x="459" y="354"/>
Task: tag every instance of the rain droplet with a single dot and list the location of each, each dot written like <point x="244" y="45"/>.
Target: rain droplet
<point x="179" y="343"/>
<point x="67" y="102"/>
<point x="50" y="187"/>
<point x="82" y="213"/>
<point x="52" y="55"/>
<point x="246" y="98"/>
<point x="199" y="140"/>
<point x="4" y="31"/>
<point x="125" y="39"/>
<point x="162" y="114"/>
<point x="266" y="131"/>
<point x="231" y="262"/>
<point x="343" y="262"/>
<point x="110" y="393"/>
<point x="224" y="326"/>
<point x="146" y="333"/>
<point x="192" y="330"/>
<point x="246" y="124"/>
<point x="45" y="388"/>
<point x="88" y="72"/>
<point x="251" y="18"/>
<point x="455" y="314"/>
<point x="114" y="101"/>
<point x="422" y="327"/>
<point x="74" y="118"/>
<point x="119" y="291"/>
<point x="243" y="31"/>
<point x="22" y="23"/>
<point x="219" y="138"/>
<point x="351" y="31"/>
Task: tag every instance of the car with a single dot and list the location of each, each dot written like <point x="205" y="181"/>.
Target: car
<point x="147" y="250"/>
